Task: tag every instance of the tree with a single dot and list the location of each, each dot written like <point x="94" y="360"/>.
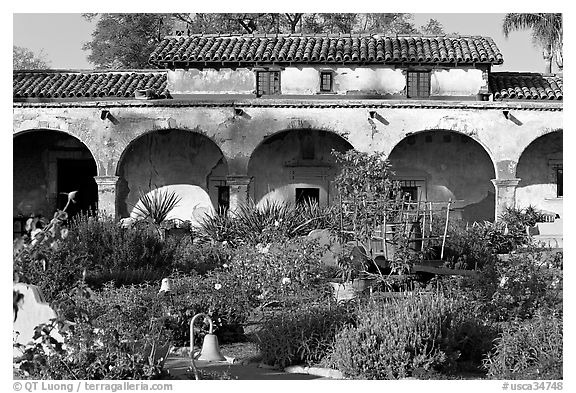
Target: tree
<point x="126" y="40"/>
<point x="433" y="27"/>
<point x="546" y="32"/>
<point x="26" y="59"/>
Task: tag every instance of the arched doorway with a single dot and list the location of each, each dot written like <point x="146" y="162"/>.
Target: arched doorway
<point x="47" y="165"/>
<point x="187" y="163"/>
<point x="442" y="165"/>
<point x="295" y="166"/>
<point x="540" y="170"/>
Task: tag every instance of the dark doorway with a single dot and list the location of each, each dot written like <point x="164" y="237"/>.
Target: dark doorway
<point x="307" y="195"/>
<point x="77" y="175"/>
<point x="223" y="198"/>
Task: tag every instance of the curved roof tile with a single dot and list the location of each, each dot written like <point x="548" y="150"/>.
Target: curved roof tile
<point x="88" y="84"/>
<point x="525" y="85"/>
<point x="317" y="48"/>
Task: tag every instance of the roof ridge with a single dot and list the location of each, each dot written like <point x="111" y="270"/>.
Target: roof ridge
<point x="89" y="71"/>
<point x="351" y="34"/>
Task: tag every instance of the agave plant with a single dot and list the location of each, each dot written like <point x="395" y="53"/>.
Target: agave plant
<point x="156" y="205"/>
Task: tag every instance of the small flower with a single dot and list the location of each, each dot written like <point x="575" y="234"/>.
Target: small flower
<point x="262" y="249"/>
<point x="225" y="266"/>
<point x="503" y="281"/>
<point x="217" y="286"/>
<point x="286" y="281"/>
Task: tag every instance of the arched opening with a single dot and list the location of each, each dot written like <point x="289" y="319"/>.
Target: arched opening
<point x="443" y="165"/>
<point x="540" y="170"/>
<point x="48" y="165"/>
<point x="187" y="163"/>
<point x="295" y="166"/>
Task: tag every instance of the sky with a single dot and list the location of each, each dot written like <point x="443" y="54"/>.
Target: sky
<point x="59" y="36"/>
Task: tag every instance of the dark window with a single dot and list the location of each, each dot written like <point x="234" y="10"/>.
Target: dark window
<point x="559" y="183"/>
<point x="77" y="175"/>
<point x="223" y="198"/>
<point x="267" y="82"/>
<point x="307" y="195"/>
<point x="418" y="84"/>
<point x="326" y="81"/>
<point x="409" y="193"/>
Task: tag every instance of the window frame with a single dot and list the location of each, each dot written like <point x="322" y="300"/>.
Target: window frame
<point x="329" y="73"/>
<point x="270" y="73"/>
<point x="559" y="173"/>
<point x="419" y="93"/>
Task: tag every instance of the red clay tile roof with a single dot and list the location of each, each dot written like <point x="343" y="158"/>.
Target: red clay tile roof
<point x="87" y="84"/>
<point x="525" y="85"/>
<point x="237" y="50"/>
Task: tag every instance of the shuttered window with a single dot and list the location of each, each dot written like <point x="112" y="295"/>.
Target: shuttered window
<point x="267" y="82"/>
<point x="418" y="84"/>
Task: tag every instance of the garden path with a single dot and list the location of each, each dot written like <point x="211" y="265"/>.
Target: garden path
<point x="177" y="365"/>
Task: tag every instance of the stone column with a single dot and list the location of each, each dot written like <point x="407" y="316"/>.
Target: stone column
<point x="107" y="194"/>
<point x="505" y="194"/>
<point x="238" y="190"/>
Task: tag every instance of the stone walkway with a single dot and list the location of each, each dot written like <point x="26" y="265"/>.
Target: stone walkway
<point x="177" y="365"/>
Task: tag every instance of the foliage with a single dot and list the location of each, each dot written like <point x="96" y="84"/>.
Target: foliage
<point x="156" y="205"/>
<point x="528" y="281"/>
<point x="269" y="221"/>
<point x="200" y="257"/>
<point x="26" y="59"/>
<point x="125" y="40"/>
<point x="397" y="338"/>
<point x="547" y="32"/>
<point x="112" y="334"/>
<point x="516" y="221"/>
<point x="529" y="349"/>
<point x="302" y="333"/>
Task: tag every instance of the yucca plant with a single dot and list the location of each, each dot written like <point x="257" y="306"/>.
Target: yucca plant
<point x="156" y="205"/>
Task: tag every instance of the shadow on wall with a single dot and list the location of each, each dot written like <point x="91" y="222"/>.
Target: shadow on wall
<point x="478" y="211"/>
<point x="194" y="205"/>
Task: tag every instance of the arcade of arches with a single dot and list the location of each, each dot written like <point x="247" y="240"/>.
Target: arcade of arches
<point x="288" y="166"/>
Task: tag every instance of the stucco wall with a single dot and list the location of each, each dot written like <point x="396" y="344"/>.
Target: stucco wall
<point x="238" y="136"/>
<point x="535" y="168"/>
<point x="174" y="157"/>
<point x="384" y="81"/>
<point x="280" y="165"/>
<point x="448" y="166"/>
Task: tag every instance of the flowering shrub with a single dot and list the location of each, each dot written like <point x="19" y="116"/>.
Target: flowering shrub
<point x="397" y="338"/>
<point x="112" y="335"/>
<point x="529" y="349"/>
<point x="302" y="333"/>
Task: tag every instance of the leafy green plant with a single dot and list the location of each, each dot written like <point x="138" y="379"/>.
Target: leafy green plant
<point x="156" y="204"/>
<point x="529" y="349"/>
<point x="108" y="334"/>
<point x="301" y="333"/>
<point x="397" y="338"/>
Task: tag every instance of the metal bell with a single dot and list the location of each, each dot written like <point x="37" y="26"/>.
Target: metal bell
<point x="166" y="285"/>
<point x="210" y="351"/>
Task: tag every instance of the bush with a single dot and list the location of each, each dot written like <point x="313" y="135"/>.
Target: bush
<point x="200" y="257"/>
<point x="107" y="338"/>
<point x="530" y="349"/>
<point x="398" y="338"/>
<point x="301" y="333"/>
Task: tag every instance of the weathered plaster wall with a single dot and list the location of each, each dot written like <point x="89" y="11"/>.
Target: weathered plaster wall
<point x="535" y="168"/>
<point x="224" y="81"/>
<point x="34" y="171"/>
<point x="456" y="82"/>
<point x="388" y="82"/>
<point x="295" y="159"/>
<point x="173" y="157"/>
<point x="450" y="166"/>
<point x="239" y="135"/>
